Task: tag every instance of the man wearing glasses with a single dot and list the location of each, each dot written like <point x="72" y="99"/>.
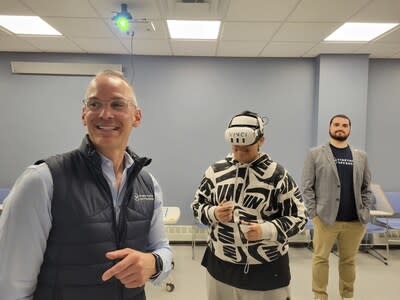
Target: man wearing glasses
<point x="87" y="224"/>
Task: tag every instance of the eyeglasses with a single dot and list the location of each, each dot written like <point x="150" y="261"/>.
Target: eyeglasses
<point x="117" y="105"/>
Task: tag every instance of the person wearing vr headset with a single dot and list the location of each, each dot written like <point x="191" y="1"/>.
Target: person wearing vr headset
<point x="251" y="206"/>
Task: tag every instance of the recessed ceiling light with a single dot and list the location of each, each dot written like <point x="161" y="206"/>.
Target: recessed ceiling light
<point x="359" y="32"/>
<point x="27" y="25"/>
<point x="200" y="30"/>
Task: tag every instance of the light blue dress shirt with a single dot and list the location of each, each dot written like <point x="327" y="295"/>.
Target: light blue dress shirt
<point x="26" y="221"/>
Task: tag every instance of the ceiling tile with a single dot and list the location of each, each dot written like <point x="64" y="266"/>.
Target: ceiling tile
<point x="13" y="7"/>
<point x="238" y="49"/>
<point x="397" y="55"/>
<point x="61" y="8"/>
<point x="4" y="32"/>
<point x="145" y="30"/>
<point x="325" y="10"/>
<point x="210" y="10"/>
<point x="334" y="48"/>
<point x="100" y="45"/>
<point x="248" y="31"/>
<point x="80" y="27"/>
<point x="142" y="30"/>
<point x="148" y="47"/>
<point x="193" y="48"/>
<point x="139" y="9"/>
<point x="285" y="49"/>
<point x="259" y="10"/>
<point x="53" y="44"/>
<point x="379" y="11"/>
<point x="380" y="50"/>
<point x="304" y="32"/>
<point x="12" y="43"/>
<point x="392" y="37"/>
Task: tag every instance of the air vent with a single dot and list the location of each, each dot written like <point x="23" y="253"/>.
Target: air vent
<point x="52" y="68"/>
<point x="194" y="9"/>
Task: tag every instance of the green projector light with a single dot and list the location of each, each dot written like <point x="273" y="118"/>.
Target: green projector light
<point x="123" y="18"/>
<point x="122" y="23"/>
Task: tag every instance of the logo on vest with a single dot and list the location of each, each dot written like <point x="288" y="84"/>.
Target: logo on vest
<point x="138" y="197"/>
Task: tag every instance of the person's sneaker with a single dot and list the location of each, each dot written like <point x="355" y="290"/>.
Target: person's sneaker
<point x="348" y="298"/>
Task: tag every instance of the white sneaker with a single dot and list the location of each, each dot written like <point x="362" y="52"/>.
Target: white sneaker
<point x="348" y="298"/>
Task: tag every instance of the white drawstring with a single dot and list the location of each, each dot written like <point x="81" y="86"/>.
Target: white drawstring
<point x="247" y="265"/>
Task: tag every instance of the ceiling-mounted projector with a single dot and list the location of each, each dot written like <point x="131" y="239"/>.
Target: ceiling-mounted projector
<point x="123" y="18"/>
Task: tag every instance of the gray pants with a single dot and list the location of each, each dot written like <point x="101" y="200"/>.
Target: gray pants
<point x="217" y="290"/>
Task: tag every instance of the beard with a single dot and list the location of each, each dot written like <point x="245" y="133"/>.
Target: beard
<point x="338" y="137"/>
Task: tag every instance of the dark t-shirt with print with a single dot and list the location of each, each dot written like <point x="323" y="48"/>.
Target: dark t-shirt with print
<point x="344" y="163"/>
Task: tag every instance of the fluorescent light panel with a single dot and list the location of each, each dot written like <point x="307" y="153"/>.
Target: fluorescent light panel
<point x="359" y="32"/>
<point x="199" y="30"/>
<point x="30" y="25"/>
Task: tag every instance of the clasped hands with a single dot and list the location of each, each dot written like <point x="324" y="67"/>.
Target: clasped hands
<point x="133" y="268"/>
<point x="224" y="213"/>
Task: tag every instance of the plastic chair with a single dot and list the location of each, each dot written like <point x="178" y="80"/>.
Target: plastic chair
<point x="368" y="243"/>
<point x="392" y="222"/>
<point x="394" y="200"/>
<point x="381" y="208"/>
<point x="171" y="215"/>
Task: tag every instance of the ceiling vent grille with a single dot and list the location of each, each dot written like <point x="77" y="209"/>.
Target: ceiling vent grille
<point x="195" y="9"/>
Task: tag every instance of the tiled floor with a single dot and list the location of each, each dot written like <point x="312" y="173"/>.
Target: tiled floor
<point x="375" y="281"/>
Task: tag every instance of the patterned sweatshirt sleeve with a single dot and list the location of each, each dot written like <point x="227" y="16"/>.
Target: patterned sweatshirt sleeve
<point x="292" y="209"/>
<point x="203" y="205"/>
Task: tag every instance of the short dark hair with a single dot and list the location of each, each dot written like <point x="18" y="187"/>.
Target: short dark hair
<point x="340" y="116"/>
<point x="248" y="113"/>
<point x="254" y="115"/>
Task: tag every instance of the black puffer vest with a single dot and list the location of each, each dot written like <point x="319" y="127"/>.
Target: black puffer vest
<point x="84" y="227"/>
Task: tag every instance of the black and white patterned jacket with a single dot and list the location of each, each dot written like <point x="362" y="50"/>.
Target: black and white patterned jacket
<point x="264" y="193"/>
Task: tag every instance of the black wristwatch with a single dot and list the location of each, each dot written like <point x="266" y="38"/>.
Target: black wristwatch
<point x="159" y="265"/>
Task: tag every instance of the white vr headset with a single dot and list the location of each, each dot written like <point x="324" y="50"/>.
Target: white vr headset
<point x="245" y="129"/>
